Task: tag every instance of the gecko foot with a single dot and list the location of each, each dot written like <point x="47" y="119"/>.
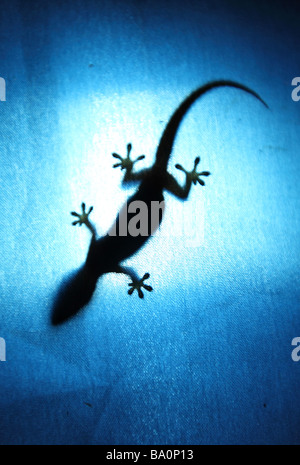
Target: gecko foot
<point x="83" y="218"/>
<point x="138" y="285"/>
<point x="126" y="162"/>
<point x="193" y="175"/>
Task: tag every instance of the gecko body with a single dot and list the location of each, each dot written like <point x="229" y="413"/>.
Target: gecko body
<point x="107" y="253"/>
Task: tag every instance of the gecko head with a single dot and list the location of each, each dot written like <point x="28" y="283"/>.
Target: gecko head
<point x="74" y="294"/>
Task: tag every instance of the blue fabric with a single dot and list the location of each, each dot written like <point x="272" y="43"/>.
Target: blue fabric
<point x="206" y="357"/>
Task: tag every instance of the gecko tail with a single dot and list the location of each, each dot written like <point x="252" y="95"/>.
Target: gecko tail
<point x="166" y="143"/>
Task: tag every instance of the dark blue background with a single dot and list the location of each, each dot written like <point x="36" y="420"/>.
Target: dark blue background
<point x="206" y="358"/>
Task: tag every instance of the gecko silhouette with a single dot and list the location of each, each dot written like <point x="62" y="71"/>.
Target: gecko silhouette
<point x="106" y="253"/>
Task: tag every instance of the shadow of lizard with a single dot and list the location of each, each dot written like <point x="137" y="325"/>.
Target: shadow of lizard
<point x="106" y="253"/>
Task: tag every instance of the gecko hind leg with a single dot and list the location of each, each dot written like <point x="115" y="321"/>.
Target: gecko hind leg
<point x="127" y="163"/>
<point x="182" y="192"/>
<point x="194" y="176"/>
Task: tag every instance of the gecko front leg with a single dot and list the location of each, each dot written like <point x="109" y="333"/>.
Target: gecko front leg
<point x="136" y="284"/>
<point x="83" y="218"/>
